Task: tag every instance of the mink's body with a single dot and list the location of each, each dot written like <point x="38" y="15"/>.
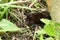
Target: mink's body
<point x="35" y="18"/>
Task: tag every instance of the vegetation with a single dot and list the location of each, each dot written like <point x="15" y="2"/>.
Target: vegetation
<point x="20" y="20"/>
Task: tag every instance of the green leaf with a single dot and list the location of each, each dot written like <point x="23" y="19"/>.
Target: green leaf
<point x="39" y="32"/>
<point x="0" y="38"/>
<point x="50" y="38"/>
<point x="57" y="31"/>
<point x="46" y="21"/>
<point x="49" y="27"/>
<point x="6" y="25"/>
<point x="41" y="37"/>
<point x="49" y="30"/>
<point x="52" y="28"/>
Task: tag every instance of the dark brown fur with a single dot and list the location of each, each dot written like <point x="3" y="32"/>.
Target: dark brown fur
<point x="35" y="18"/>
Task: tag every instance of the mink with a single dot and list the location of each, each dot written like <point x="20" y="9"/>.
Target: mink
<point x="34" y="18"/>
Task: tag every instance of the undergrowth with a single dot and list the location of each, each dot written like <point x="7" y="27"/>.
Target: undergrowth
<point x="12" y="21"/>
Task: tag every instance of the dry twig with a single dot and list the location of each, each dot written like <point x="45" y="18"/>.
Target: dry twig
<point x="31" y="5"/>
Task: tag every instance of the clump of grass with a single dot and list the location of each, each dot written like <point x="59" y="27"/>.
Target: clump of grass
<point x="11" y="4"/>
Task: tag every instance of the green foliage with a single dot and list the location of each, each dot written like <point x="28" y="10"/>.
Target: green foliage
<point x="40" y="32"/>
<point x="0" y="38"/>
<point x="6" y="6"/>
<point x="7" y="26"/>
<point x="4" y="9"/>
<point x="46" y="21"/>
<point x="50" y="28"/>
<point x="50" y="38"/>
<point x="41" y="37"/>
